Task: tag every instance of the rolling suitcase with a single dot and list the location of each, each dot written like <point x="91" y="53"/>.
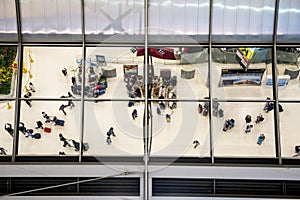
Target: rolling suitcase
<point x="85" y="146"/>
<point x="59" y="122"/>
<point x="47" y="130"/>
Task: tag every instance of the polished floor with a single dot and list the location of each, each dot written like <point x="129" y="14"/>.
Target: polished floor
<point x="173" y="138"/>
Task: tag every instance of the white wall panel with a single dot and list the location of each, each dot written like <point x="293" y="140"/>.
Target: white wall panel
<point x="8" y="22"/>
<point x="110" y="17"/>
<point x="288" y="18"/>
<point x="238" y="17"/>
<point x="179" y="17"/>
<point x="51" y="16"/>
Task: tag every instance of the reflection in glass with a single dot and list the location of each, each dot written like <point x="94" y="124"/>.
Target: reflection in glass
<point x="241" y="73"/>
<point x="58" y="116"/>
<point x="8" y="71"/>
<point x="114" y="17"/>
<point x="236" y="133"/>
<point x="7" y="111"/>
<point x="126" y="139"/>
<point x="288" y="71"/>
<point x="50" y="70"/>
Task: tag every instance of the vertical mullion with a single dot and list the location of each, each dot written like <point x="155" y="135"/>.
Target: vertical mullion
<point x="19" y="83"/>
<point x="209" y="78"/>
<point x="82" y="98"/>
<point x="275" y="87"/>
<point x="146" y="117"/>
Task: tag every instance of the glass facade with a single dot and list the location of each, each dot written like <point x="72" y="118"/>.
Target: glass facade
<point x="176" y="80"/>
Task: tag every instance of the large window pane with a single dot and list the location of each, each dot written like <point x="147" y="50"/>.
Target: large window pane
<point x="127" y="139"/>
<point x="288" y="23"/>
<point x="232" y="140"/>
<point x="287" y="67"/>
<point x="67" y="124"/>
<point x="43" y="67"/>
<point x="241" y="73"/>
<point x="177" y="137"/>
<point x="186" y="75"/>
<point x="105" y="71"/>
<point x="237" y="20"/>
<point x="51" y="20"/>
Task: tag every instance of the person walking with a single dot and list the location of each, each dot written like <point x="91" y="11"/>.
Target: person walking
<point x="9" y="129"/>
<point x="28" y="102"/>
<point x="3" y="151"/>
<point x="64" y="71"/>
<point x="111" y="132"/>
<point x="22" y="128"/>
<point x="134" y="114"/>
<point x="62" y="108"/>
<point x="46" y="117"/>
<point x="31" y="87"/>
<point x="196" y="143"/>
<point x="39" y="124"/>
<point x="64" y="140"/>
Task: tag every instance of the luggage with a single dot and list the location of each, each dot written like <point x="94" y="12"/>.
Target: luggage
<point x="36" y="136"/>
<point x="130" y="103"/>
<point x="200" y="108"/>
<point x="47" y="130"/>
<point x="205" y="112"/>
<point x="85" y="146"/>
<point x="59" y="122"/>
<point x="101" y="91"/>
<point x="158" y="111"/>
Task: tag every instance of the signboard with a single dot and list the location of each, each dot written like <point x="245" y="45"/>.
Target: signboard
<point x="241" y="77"/>
<point x="130" y="69"/>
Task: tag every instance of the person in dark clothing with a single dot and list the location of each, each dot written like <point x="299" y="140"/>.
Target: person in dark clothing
<point x="31" y="87"/>
<point x="2" y="151"/>
<point x="134" y="114"/>
<point x="64" y="140"/>
<point x="248" y="128"/>
<point x="196" y="144"/>
<point x="22" y="128"/>
<point x="111" y="132"/>
<point x="39" y="124"/>
<point x="62" y="108"/>
<point x="259" y="118"/>
<point x="76" y="145"/>
<point x="28" y="102"/>
<point x="64" y="71"/>
<point x="9" y="129"/>
<point x="248" y="118"/>
<point x="47" y="118"/>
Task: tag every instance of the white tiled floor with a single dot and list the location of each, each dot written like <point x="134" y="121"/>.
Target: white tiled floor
<point x="169" y="139"/>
